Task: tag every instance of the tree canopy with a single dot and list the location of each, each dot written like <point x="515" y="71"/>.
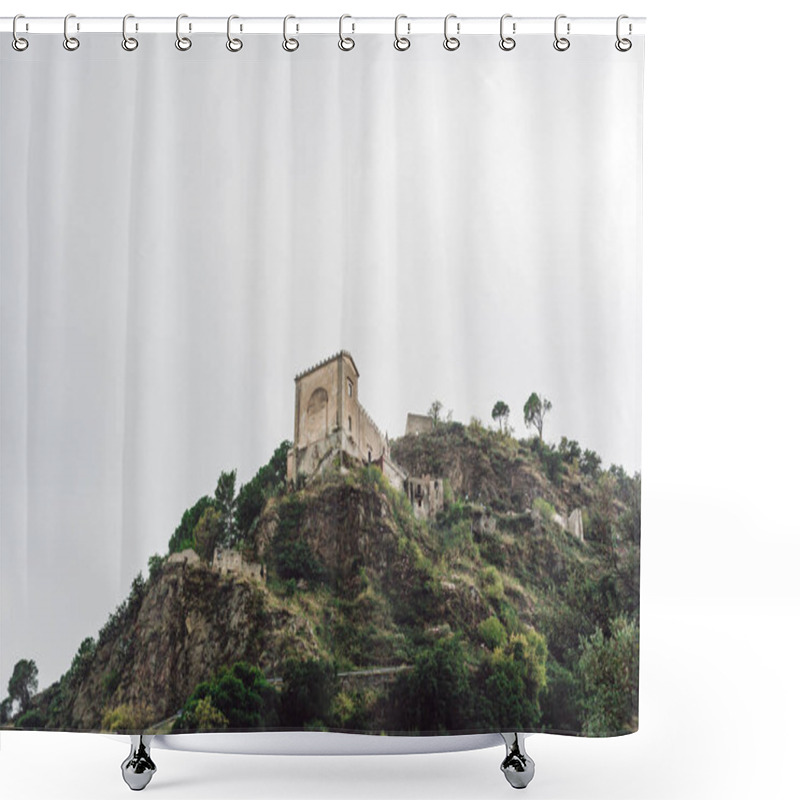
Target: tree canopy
<point x="500" y="414"/>
<point x="534" y="411"/>
<point x="24" y="682"/>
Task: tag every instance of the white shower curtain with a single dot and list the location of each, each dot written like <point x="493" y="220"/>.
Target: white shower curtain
<point x="183" y="233"/>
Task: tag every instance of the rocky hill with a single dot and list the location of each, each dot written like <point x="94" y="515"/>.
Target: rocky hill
<point x="346" y="577"/>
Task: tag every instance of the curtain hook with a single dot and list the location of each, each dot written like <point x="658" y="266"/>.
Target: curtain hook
<point x="346" y="43"/>
<point x="18" y="43"/>
<point x="129" y="43"/>
<point x="70" y="42"/>
<point x="623" y="45"/>
<point x="401" y="42"/>
<point x="561" y="43"/>
<point x="506" y="42"/>
<point x="289" y="45"/>
<point x="451" y="42"/>
<point x="182" y="42"/>
<point x="234" y="45"/>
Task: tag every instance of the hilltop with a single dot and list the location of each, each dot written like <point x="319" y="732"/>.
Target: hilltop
<point x="347" y="607"/>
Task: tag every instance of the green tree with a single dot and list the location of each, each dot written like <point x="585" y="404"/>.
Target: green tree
<point x="225" y="502"/>
<point x="209" y="533"/>
<point x="239" y="694"/>
<point x="309" y="686"/>
<point x="590" y="463"/>
<point x="208" y="717"/>
<point x="183" y="537"/>
<point x="435" y="411"/>
<point x="569" y="448"/>
<point x="500" y="414"/>
<point x="268" y="482"/>
<point x="608" y="669"/>
<point x="24" y="682"/>
<point x="534" y="411"/>
<point x="510" y="682"/>
<point x="435" y="695"/>
<point x="6" y="708"/>
<point x="81" y="662"/>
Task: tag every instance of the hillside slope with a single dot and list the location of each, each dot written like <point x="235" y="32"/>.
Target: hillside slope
<point x="352" y="580"/>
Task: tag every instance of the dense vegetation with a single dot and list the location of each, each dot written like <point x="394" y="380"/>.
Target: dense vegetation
<point x="489" y="616"/>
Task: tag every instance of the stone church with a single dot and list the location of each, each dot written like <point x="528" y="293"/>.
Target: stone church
<point x="332" y="428"/>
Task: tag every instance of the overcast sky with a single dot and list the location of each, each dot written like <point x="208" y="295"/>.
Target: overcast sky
<point x="184" y="232"/>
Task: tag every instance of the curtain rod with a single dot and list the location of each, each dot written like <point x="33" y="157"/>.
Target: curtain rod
<point x="310" y="25"/>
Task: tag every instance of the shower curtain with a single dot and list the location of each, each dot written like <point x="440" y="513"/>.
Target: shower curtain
<point x="320" y="383"/>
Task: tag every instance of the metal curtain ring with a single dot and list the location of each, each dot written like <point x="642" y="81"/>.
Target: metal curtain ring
<point x="289" y="44"/>
<point x="623" y="45"/>
<point x="70" y="42"/>
<point x="561" y="43"/>
<point x="401" y="42"/>
<point x="506" y="42"/>
<point x="182" y="42"/>
<point x="234" y="45"/>
<point x="18" y="43"/>
<point x="128" y="42"/>
<point x="346" y="43"/>
<point x="451" y="42"/>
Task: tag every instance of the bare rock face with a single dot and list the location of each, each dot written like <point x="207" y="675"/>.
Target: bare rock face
<point x="191" y="621"/>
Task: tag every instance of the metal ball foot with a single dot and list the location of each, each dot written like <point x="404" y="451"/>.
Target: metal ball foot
<point x="517" y="766"/>
<point x="138" y="768"/>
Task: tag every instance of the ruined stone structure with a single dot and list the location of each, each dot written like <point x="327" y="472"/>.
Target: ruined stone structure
<point x="230" y="562"/>
<point x="418" y="423"/>
<point x="573" y="524"/>
<point x="426" y="495"/>
<point x="184" y="557"/>
<point x="331" y="428"/>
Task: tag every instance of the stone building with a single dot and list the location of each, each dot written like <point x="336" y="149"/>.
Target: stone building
<point x="330" y="425"/>
<point x="331" y="428"/>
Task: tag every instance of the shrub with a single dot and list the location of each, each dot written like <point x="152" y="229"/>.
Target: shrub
<point x="31" y="719"/>
<point x="510" y="681"/>
<point x="492" y="584"/>
<point x="544" y="508"/>
<point x="240" y="694"/>
<point x="493" y="633"/>
<point x="127" y="717"/>
<point x="560" y="699"/>
<point x="608" y="669"/>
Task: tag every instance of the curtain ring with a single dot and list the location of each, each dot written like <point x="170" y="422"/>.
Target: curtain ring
<point x="70" y="42"/>
<point x="561" y="43"/>
<point x="182" y="42"/>
<point x="18" y="43"/>
<point x="451" y="42"/>
<point x="623" y="45"/>
<point x="401" y="42"/>
<point x="129" y="43"/>
<point x="289" y="45"/>
<point x="234" y="45"/>
<point x="346" y="43"/>
<point x="506" y="42"/>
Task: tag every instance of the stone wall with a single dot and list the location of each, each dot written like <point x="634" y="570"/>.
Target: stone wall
<point x="418" y="423"/>
<point x="230" y="562"/>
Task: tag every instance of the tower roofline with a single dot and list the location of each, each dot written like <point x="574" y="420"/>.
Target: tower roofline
<point x="334" y="357"/>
